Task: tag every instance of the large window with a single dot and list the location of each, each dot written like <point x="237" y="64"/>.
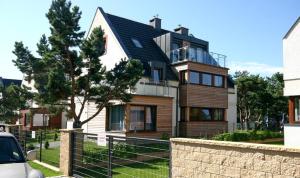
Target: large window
<point x="218" y="81"/>
<point x="206" y="114"/>
<point x="194" y="78"/>
<point x="116" y="118"/>
<point x="206" y="79"/>
<point x="142" y="118"/>
<point x="183" y="77"/>
<point x="297" y="109"/>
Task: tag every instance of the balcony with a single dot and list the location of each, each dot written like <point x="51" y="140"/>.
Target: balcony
<point x="150" y="87"/>
<point x="197" y="55"/>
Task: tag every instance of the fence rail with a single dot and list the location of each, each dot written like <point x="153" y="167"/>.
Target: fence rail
<point x="120" y="157"/>
<point x="46" y="143"/>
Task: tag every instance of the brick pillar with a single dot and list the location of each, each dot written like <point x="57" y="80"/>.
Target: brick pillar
<point x="66" y="148"/>
<point x="291" y="110"/>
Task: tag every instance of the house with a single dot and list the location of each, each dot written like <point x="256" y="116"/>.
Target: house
<point x="291" y="76"/>
<point x="185" y="90"/>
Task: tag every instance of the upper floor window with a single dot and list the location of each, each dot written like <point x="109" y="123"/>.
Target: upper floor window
<point x="136" y="43"/>
<point x="206" y="79"/>
<point x="194" y="77"/>
<point x="183" y="77"/>
<point x="218" y="81"/>
<point x="157" y="75"/>
<point x="206" y="114"/>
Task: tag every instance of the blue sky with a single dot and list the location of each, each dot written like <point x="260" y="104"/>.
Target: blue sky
<point x="249" y="33"/>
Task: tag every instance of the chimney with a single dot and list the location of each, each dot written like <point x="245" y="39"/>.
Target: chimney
<point x="155" y="23"/>
<point x="182" y="30"/>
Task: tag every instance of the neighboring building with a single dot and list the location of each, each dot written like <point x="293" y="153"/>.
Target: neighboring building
<point x="185" y="90"/>
<point x="291" y="74"/>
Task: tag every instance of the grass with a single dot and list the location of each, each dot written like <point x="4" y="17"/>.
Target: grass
<point x="152" y="169"/>
<point x="51" y="156"/>
<point x="47" y="172"/>
<point x="276" y="143"/>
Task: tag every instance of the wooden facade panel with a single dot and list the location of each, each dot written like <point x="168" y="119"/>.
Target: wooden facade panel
<point x="205" y="128"/>
<point x="203" y="96"/>
<point x="207" y="68"/>
<point x="163" y="115"/>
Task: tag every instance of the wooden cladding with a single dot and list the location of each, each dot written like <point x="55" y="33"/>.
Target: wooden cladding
<point x="196" y="129"/>
<point x="163" y="115"/>
<point x="203" y="96"/>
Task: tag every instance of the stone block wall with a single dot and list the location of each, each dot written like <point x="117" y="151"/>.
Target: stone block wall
<point x="195" y="158"/>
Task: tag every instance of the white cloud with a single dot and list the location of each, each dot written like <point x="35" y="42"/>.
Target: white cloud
<point x="254" y="68"/>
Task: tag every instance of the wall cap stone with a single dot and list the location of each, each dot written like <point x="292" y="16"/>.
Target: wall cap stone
<point x="236" y="144"/>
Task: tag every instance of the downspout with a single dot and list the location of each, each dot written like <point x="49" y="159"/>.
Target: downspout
<point x="177" y="105"/>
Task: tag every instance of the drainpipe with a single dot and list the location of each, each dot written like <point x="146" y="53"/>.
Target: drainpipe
<point x="177" y="105"/>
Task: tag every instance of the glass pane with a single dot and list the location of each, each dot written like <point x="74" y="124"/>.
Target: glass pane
<point x="218" y="114"/>
<point x="137" y="43"/>
<point x="156" y="75"/>
<point x="192" y="54"/>
<point x="137" y="117"/>
<point x="150" y="116"/>
<point x="206" y="114"/>
<point x="218" y="81"/>
<point x="194" y="77"/>
<point x="200" y="55"/>
<point x="195" y="114"/>
<point x="297" y="109"/>
<point x="117" y="118"/>
<point x="206" y="79"/>
<point x="9" y="151"/>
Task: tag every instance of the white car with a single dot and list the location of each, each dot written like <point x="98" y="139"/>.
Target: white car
<point x="12" y="161"/>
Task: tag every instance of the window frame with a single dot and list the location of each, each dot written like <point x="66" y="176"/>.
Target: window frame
<point x="212" y="114"/>
<point x="154" y="120"/>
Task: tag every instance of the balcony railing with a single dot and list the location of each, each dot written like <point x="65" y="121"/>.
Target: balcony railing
<point x="150" y="87"/>
<point x="197" y="55"/>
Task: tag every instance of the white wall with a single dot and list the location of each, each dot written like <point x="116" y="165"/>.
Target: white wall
<point x="232" y="109"/>
<point x="114" y="51"/>
<point x="291" y="135"/>
<point x="291" y="62"/>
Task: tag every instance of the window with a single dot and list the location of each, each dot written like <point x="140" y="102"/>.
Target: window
<point x="297" y="109"/>
<point x="10" y="152"/>
<point x="192" y="54"/>
<point x="157" y="75"/>
<point x="142" y="118"/>
<point x="206" y="114"/>
<point x="136" y="43"/>
<point x="116" y="118"/>
<point x="206" y="79"/>
<point x="218" y="114"/>
<point x="200" y="55"/>
<point x="175" y="52"/>
<point x="194" y="77"/>
<point x="183" y="77"/>
<point x="218" y="81"/>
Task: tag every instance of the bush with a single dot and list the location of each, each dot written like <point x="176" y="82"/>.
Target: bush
<point x="165" y="136"/>
<point x="30" y="147"/>
<point x="55" y="136"/>
<point x="46" y="145"/>
<point x="247" y="135"/>
<point x="123" y="150"/>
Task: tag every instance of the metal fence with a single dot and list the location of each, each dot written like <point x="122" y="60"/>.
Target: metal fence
<point x="46" y="143"/>
<point x="114" y="156"/>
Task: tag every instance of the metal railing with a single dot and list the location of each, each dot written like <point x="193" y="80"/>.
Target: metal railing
<point x="197" y="55"/>
<point x="46" y="143"/>
<point x="120" y="157"/>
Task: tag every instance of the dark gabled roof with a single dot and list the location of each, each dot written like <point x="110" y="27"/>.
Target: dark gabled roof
<point x="127" y="29"/>
<point x="292" y="28"/>
<point x="6" y="82"/>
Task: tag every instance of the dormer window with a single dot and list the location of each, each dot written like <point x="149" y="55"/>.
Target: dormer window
<point x="136" y="43"/>
<point x="156" y="75"/>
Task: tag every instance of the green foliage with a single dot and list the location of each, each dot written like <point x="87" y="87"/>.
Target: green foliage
<point x="46" y="145"/>
<point x="165" y="136"/>
<point x="30" y="147"/>
<point x="258" y="97"/>
<point x="63" y="56"/>
<point x="247" y="135"/>
<point x="13" y="99"/>
<point x="55" y="136"/>
<point x="123" y="150"/>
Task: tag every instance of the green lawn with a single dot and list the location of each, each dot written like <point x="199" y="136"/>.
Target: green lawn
<point x="50" y="156"/>
<point x="151" y="169"/>
<point x="47" y="172"/>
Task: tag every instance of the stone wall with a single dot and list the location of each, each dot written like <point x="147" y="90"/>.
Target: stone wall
<point x="205" y="158"/>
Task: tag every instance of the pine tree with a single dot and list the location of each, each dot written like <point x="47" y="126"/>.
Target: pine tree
<point x="68" y="66"/>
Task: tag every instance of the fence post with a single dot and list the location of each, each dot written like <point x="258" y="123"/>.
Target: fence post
<point x="41" y="144"/>
<point x="66" y="150"/>
<point x="110" y="152"/>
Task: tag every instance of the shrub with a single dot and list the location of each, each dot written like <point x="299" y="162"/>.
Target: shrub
<point x="124" y="150"/>
<point x="55" y="136"/>
<point x="46" y="145"/>
<point x="30" y="147"/>
<point x="165" y="136"/>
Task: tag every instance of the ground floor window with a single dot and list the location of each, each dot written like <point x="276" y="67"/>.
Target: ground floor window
<point x="143" y="118"/>
<point x="116" y="118"/>
<point x="206" y="114"/>
<point x="297" y="109"/>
